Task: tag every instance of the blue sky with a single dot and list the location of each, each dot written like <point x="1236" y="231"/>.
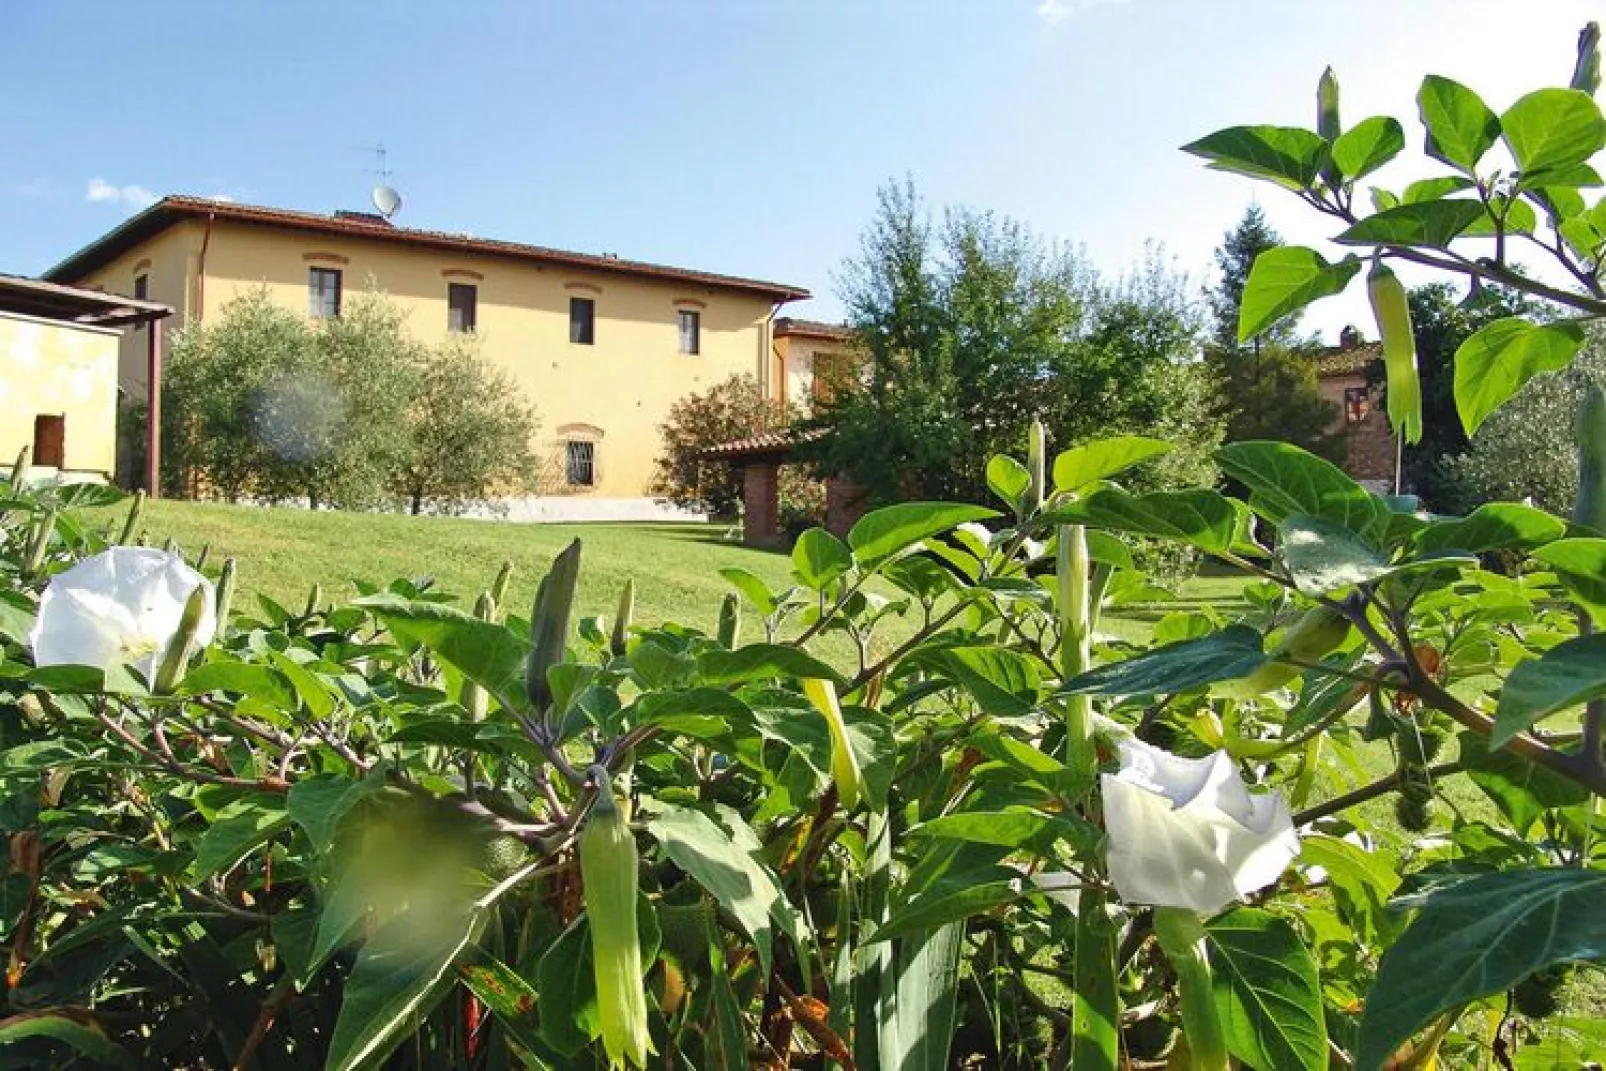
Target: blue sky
<point x="746" y="136"/>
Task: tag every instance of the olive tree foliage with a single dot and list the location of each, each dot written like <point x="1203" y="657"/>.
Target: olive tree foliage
<point x="469" y="433"/>
<point x="970" y="326"/>
<point x="735" y="408"/>
<point x="1527" y="449"/>
<point x="351" y="412"/>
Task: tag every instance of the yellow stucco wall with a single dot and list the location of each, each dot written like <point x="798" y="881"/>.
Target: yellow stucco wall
<point x="615" y="392"/>
<point x="48" y="368"/>
<point x="169" y="263"/>
<point x="799" y="359"/>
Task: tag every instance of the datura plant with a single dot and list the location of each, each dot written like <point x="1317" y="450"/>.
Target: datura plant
<point x="971" y="790"/>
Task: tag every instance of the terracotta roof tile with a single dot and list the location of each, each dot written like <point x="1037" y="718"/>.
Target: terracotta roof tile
<point x="768" y="442"/>
<point x="1338" y="361"/>
<point x="172" y="209"/>
<point x="790" y="325"/>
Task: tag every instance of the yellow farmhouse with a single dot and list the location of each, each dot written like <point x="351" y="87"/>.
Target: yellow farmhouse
<point x="58" y="375"/>
<point x="602" y="346"/>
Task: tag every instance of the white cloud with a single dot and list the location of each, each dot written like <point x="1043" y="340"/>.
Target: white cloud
<point x="101" y="191"/>
<point x="1053" y="11"/>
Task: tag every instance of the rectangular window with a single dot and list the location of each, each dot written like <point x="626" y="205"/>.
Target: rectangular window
<point x="582" y="321"/>
<point x="323" y="292"/>
<point x="582" y="464"/>
<point x="691" y="331"/>
<point x="50" y="441"/>
<point x="142" y="291"/>
<point x="462" y="306"/>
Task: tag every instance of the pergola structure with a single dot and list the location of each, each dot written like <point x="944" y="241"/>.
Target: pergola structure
<point x="96" y="308"/>
<point x="760" y="458"/>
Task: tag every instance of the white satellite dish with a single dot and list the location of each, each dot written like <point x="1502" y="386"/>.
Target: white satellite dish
<point x="387" y="201"/>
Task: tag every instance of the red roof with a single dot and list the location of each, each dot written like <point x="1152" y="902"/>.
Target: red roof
<point x="1339" y="361"/>
<point x="762" y="444"/>
<point x="175" y="209"/>
<point x="788" y="325"/>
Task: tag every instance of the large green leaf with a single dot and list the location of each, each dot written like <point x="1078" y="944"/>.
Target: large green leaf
<point x="1103" y="458"/>
<point x="882" y="533"/>
<point x="240" y="827"/>
<point x="1494" y="363"/>
<point x="1492" y="526"/>
<point x="818" y="557"/>
<point x="70" y="1026"/>
<point x="1568" y="675"/>
<point x="1235" y="651"/>
<point x="1477" y="938"/>
<point x="1202" y="518"/>
<point x="501" y="989"/>
<point x="400" y="975"/>
<point x="1580" y="565"/>
<point x="761" y="661"/>
<point x="487" y="653"/>
<point x="1289" y="156"/>
<point x="1010" y="481"/>
<point x="1267" y="991"/>
<point x="944" y="903"/>
<point x="317" y="804"/>
<point x="1553" y="128"/>
<point x="1367" y="146"/>
<point x="724" y="858"/>
<point x="1428" y="223"/>
<point x="1283" y="479"/>
<point x="1285" y="279"/>
<point x="246" y="678"/>
<point x="1005" y="683"/>
<point x="1016" y="828"/>
<point x="756" y="591"/>
<point x="1521" y="789"/>
<point x="1461" y="127"/>
<point x="1322" y="556"/>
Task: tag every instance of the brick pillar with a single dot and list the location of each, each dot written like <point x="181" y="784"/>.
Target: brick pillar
<point x="761" y="503"/>
<point x="844" y="505"/>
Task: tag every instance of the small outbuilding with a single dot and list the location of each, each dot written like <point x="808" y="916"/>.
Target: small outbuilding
<point x="58" y="374"/>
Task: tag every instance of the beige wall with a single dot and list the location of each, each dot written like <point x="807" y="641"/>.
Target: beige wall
<point x="50" y="368"/>
<point x="800" y="359"/>
<point x="168" y="261"/>
<point x="615" y="392"/>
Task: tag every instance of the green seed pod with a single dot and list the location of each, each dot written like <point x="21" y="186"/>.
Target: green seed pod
<point x="1590" y="508"/>
<point x="1393" y="314"/>
<point x="225" y="594"/>
<point x="730" y="621"/>
<point x="687" y="929"/>
<point x="549" y="623"/>
<point x="1413" y="806"/>
<point x="1420" y="744"/>
<point x="503" y="855"/>
<point x="623" y="618"/>
<point x="176" y="659"/>
<point x="136" y="509"/>
<point x="1538" y="996"/>
<point x="610" y="871"/>
<point x="504" y="577"/>
<point x="1586" y="72"/>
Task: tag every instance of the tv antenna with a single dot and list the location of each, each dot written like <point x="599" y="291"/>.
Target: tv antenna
<point x="384" y="196"/>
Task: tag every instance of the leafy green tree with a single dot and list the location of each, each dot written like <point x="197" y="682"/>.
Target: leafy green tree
<point x="972" y="327"/>
<point x="469" y="432"/>
<point x="735" y="408"/>
<point x="1265" y="388"/>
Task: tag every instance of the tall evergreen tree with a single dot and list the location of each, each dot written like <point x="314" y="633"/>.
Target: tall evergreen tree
<point x="1265" y="388"/>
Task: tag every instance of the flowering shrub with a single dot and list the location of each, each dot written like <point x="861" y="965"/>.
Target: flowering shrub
<point x="410" y="832"/>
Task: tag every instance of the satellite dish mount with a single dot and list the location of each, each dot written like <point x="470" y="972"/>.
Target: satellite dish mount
<point x="387" y="202"/>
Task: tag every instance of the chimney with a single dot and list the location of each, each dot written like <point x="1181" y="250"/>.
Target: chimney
<point x="1350" y="338"/>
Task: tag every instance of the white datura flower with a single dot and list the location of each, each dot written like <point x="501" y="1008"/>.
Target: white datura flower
<point x="120" y="607"/>
<point x="1187" y="833"/>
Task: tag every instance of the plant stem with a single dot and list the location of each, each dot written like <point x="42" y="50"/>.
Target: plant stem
<point x="1382" y="786"/>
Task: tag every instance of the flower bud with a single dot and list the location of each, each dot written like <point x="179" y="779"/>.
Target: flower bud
<point x="504" y="576"/>
<point x="1590" y="508"/>
<point x="844" y="764"/>
<point x="225" y="594"/>
<point x="609" y="869"/>
<point x="1393" y="314"/>
<point x="1586" y="72"/>
<point x="730" y="621"/>
<point x="21" y="467"/>
<point x="1037" y="464"/>
<point x="623" y="618"/>
<point x="136" y="509"/>
<point x="176" y="659"/>
<point x="549" y="624"/>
